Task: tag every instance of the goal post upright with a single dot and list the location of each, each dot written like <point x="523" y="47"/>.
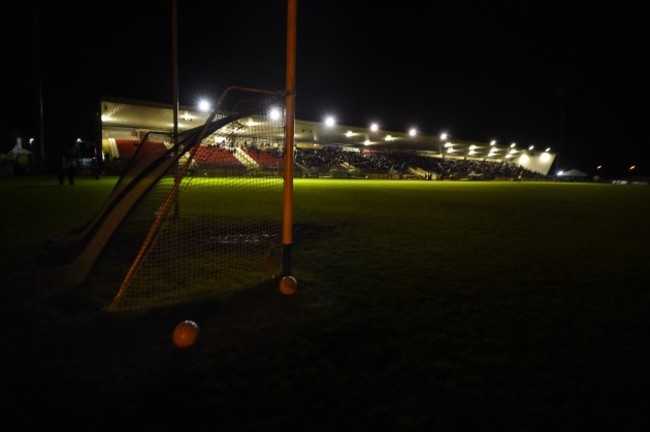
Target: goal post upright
<point x="287" y="222"/>
<point x="175" y="90"/>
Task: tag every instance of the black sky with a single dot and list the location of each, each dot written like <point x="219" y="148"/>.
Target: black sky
<point x="570" y="76"/>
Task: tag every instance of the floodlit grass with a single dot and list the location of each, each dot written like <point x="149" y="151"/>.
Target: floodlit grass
<point x="420" y="306"/>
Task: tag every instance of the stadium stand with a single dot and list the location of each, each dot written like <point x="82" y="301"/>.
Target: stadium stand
<point x="264" y="159"/>
<point x="342" y="151"/>
<point x="216" y="156"/>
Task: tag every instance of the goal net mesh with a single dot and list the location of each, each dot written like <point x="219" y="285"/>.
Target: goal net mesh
<point x="211" y="224"/>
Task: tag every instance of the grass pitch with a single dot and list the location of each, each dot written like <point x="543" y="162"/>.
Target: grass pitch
<point x="420" y="306"/>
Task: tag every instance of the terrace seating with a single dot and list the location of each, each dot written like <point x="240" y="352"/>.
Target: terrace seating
<point x="126" y="147"/>
<point x="264" y="159"/>
<point x="408" y="164"/>
<point x="216" y="157"/>
<point x="335" y="160"/>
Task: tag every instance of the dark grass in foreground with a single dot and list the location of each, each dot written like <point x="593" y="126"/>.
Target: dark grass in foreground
<point x="421" y="306"/>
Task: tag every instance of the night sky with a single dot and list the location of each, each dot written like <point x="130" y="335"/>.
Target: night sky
<point x="565" y="75"/>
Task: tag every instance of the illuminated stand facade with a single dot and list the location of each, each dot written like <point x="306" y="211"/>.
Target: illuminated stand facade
<point x="127" y="119"/>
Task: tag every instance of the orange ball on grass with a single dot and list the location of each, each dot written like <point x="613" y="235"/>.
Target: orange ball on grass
<point x="185" y="334"/>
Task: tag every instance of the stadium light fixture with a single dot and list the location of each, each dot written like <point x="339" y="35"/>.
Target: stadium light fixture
<point x="374" y="127"/>
<point x="204" y="105"/>
<point x="275" y="114"/>
<point x="493" y="142"/>
<point x="444" y="136"/>
<point x="330" y="121"/>
<point x="413" y="132"/>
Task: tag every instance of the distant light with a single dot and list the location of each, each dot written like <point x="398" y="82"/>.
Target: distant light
<point x="531" y="148"/>
<point x="560" y="173"/>
<point x="548" y="149"/>
<point x="367" y="142"/>
<point x="493" y="142"/>
<point x="275" y="113"/>
<point x="633" y="167"/>
<point x="413" y="132"/>
<point x="330" y="121"/>
<point x="523" y="159"/>
<point x="472" y="147"/>
<point x="349" y="134"/>
<point x="599" y="167"/>
<point x="31" y="140"/>
<point x="513" y="145"/>
<point x="78" y="140"/>
<point x="389" y="138"/>
<point x="374" y="127"/>
<point x="204" y="105"/>
<point x="443" y="136"/>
